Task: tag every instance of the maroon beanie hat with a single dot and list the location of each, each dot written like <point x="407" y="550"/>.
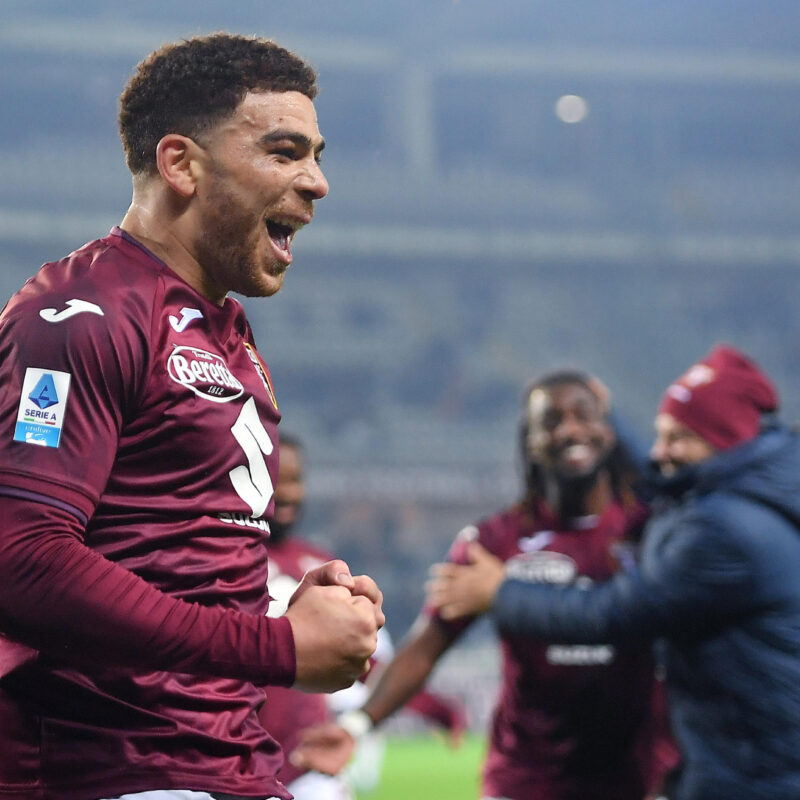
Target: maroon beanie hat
<point x="721" y="398"/>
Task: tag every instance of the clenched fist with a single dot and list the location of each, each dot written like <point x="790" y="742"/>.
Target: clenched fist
<point x="335" y="619"/>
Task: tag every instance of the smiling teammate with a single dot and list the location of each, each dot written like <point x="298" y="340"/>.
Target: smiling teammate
<point x="139" y="450"/>
<point x="571" y="721"/>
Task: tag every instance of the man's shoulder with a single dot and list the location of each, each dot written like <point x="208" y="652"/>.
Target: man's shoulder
<point x="716" y="524"/>
<point x="99" y="279"/>
<point x="703" y="513"/>
<point x="502" y="528"/>
<point x="511" y="517"/>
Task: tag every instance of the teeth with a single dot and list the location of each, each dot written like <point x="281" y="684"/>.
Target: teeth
<point x="577" y="451"/>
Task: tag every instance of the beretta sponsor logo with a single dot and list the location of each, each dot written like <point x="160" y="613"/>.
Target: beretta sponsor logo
<point x="542" y="567"/>
<point x="206" y="374"/>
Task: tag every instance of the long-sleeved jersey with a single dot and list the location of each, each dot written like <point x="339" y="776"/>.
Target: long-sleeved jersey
<point x="139" y="448"/>
<point x="571" y="721"/>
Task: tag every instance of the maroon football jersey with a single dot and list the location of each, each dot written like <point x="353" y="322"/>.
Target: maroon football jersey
<point x="138" y="428"/>
<point x="289" y="711"/>
<point x="570" y="719"/>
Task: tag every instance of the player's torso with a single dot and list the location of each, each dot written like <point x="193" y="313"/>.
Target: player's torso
<point x="538" y="550"/>
<point x="166" y="439"/>
<point x="565" y="709"/>
<point x="192" y="481"/>
<point x="155" y="415"/>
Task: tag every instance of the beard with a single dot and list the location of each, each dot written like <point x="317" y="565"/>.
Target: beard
<point x="278" y="532"/>
<point x="228" y="248"/>
<point x="578" y="482"/>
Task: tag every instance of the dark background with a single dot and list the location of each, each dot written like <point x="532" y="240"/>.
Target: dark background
<point x="471" y="239"/>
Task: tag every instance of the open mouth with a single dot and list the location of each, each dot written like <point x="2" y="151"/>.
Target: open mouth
<point x="577" y="452"/>
<point x="577" y="456"/>
<point x="281" y="232"/>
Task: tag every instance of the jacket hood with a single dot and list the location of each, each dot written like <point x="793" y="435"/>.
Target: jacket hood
<point x="765" y="469"/>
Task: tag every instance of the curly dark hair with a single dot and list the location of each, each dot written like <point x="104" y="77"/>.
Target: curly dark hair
<point x="617" y="464"/>
<point x="188" y="86"/>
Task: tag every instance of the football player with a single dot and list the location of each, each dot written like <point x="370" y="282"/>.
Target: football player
<point x="139" y="451"/>
<point x="570" y="721"/>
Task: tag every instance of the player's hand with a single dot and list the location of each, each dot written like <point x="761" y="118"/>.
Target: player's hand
<point x="451" y="737"/>
<point x="325" y="748"/>
<point x="454" y="732"/>
<point x="601" y="392"/>
<point x="337" y="573"/>
<point x="335" y="634"/>
<point x="457" y="590"/>
<point x="331" y="573"/>
<point x="364" y="586"/>
<point x="457" y="728"/>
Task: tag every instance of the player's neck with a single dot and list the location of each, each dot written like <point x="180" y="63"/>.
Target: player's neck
<point x="144" y="221"/>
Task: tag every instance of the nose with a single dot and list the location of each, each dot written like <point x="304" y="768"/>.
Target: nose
<point x="312" y="181"/>
<point x="658" y="450"/>
<point x="569" y="426"/>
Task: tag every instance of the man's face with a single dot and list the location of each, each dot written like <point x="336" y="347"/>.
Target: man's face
<point x="677" y="446"/>
<point x="260" y="181"/>
<point x="289" y="492"/>
<point x="567" y="431"/>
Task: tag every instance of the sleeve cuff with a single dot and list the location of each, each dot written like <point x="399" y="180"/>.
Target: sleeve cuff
<point x="356" y="722"/>
<point x="282" y="657"/>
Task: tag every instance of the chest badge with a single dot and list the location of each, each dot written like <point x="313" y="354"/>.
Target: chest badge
<point x="261" y="369"/>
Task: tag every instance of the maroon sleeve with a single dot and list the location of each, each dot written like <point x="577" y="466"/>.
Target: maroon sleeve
<point x="61" y="597"/>
<point x="107" y="358"/>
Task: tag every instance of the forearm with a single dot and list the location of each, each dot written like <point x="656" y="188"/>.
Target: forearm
<point x="621" y="608"/>
<point x="408" y="671"/>
<point x="61" y="597"/>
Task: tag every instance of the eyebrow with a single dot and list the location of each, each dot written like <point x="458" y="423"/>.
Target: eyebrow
<point x="299" y="139"/>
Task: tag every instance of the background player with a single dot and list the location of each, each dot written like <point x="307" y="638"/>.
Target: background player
<point x="570" y="721"/>
<point x="139" y="450"/>
<point x="289" y="711"/>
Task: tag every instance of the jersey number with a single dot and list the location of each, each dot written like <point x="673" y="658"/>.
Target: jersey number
<point x="253" y="482"/>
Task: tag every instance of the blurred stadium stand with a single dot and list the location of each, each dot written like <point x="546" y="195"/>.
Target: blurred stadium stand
<point x="472" y="239"/>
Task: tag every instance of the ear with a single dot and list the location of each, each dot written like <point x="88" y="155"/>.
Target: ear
<point x="180" y="162"/>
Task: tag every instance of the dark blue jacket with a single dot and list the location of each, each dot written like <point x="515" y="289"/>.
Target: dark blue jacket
<point x="719" y="583"/>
